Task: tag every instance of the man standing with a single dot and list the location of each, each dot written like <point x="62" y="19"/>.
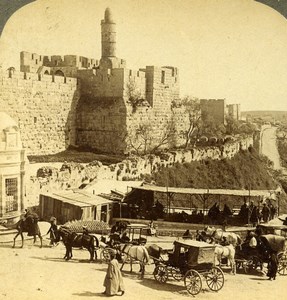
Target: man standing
<point x="272" y="266"/>
<point x="254" y="214"/>
<point x="265" y="213"/>
<point x="113" y="280"/>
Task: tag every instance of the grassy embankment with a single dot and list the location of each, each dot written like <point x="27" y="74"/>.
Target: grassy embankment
<point x="247" y="170"/>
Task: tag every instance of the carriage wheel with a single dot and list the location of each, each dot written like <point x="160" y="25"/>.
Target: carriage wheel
<point x="176" y="274"/>
<point x="192" y="282"/>
<point x="160" y="273"/>
<point x="215" y="279"/>
<point x="282" y="264"/>
<point x="105" y="255"/>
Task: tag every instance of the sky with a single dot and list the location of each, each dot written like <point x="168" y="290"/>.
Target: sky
<point x="232" y="49"/>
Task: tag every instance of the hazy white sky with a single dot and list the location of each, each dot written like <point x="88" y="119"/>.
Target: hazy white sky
<point x="233" y="49"/>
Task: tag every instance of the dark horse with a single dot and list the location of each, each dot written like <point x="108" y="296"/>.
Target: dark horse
<point x="29" y="225"/>
<point x="72" y="239"/>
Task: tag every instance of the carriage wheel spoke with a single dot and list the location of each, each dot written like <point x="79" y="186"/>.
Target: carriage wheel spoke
<point x="282" y="267"/>
<point x="215" y="279"/>
<point x="161" y="274"/>
<point x="192" y="281"/>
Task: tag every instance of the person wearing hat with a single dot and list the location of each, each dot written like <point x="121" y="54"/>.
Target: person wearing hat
<point x="85" y="230"/>
<point x="53" y="231"/>
<point x="113" y="282"/>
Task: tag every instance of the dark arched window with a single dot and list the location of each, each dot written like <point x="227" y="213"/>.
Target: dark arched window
<point x="59" y="73"/>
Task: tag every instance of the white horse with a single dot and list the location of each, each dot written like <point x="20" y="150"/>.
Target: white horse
<point x="225" y="251"/>
<point x="136" y="253"/>
<point x="223" y="236"/>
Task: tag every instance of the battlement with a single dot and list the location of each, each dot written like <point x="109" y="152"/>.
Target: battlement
<point x="74" y="100"/>
<point x="18" y="78"/>
<point x="32" y="62"/>
<point x="161" y="82"/>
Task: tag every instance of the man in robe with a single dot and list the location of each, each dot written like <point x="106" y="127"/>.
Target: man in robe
<point x="113" y="281"/>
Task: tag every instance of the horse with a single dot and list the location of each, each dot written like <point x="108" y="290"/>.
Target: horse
<point x="228" y="252"/>
<point x="219" y="235"/>
<point x="137" y="253"/>
<point x="29" y="225"/>
<point x="72" y="239"/>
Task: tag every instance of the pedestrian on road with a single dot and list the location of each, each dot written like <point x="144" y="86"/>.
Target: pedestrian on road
<point x="272" y="266"/>
<point x="113" y="282"/>
<point x="53" y="231"/>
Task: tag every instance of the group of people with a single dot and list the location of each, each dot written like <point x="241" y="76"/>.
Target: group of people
<point x="252" y="214"/>
<point x="215" y="215"/>
<point x="252" y="242"/>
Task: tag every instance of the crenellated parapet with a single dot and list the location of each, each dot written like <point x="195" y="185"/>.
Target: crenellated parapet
<point x="66" y="65"/>
<point x="24" y="79"/>
<point x="162" y="85"/>
<point x="74" y="100"/>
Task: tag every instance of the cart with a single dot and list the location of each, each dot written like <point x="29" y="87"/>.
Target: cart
<point x="271" y="242"/>
<point x="251" y="259"/>
<point x="280" y="230"/>
<point x="191" y="261"/>
<point x="136" y="234"/>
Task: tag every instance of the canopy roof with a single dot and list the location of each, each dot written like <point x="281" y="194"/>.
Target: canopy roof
<point x="78" y="198"/>
<point x="192" y="191"/>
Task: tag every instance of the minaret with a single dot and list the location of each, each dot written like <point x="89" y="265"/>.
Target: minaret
<point x="108" y="35"/>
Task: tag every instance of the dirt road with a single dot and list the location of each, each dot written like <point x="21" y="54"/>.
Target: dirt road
<point x="33" y="273"/>
<point x="269" y="146"/>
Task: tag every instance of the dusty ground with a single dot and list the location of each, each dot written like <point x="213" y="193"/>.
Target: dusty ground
<point x="33" y="273"/>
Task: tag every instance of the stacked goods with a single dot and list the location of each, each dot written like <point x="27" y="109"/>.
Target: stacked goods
<point x="91" y="226"/>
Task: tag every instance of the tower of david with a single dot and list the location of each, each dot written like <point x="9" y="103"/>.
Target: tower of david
<point x="62" y="101"/>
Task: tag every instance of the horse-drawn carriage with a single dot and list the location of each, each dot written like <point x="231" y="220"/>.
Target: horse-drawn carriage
<point x="191" y="261"/>
<point x="133" y="234"/>
<point x="251" y="259"/>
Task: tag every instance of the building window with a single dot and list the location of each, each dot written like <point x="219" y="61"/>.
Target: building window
<point x="11" y="190"/>
<point x="162" y="76"/>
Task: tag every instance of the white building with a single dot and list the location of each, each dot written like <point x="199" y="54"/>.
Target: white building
<point x="12" y="170"/>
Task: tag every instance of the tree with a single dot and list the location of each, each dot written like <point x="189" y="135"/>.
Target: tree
<point x="134" y="94"/>
<point x="211" y="128"/>
<point x="232" y="125"/>
<point x="192" y="109"/>
<point x="144" y="140"/>
<point x="247" y="128"/>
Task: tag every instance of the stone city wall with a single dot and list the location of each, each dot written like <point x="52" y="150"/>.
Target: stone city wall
<point x="72" y="175"/>
<point x="44" y="107"/>
<point x="101" y="123"/>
